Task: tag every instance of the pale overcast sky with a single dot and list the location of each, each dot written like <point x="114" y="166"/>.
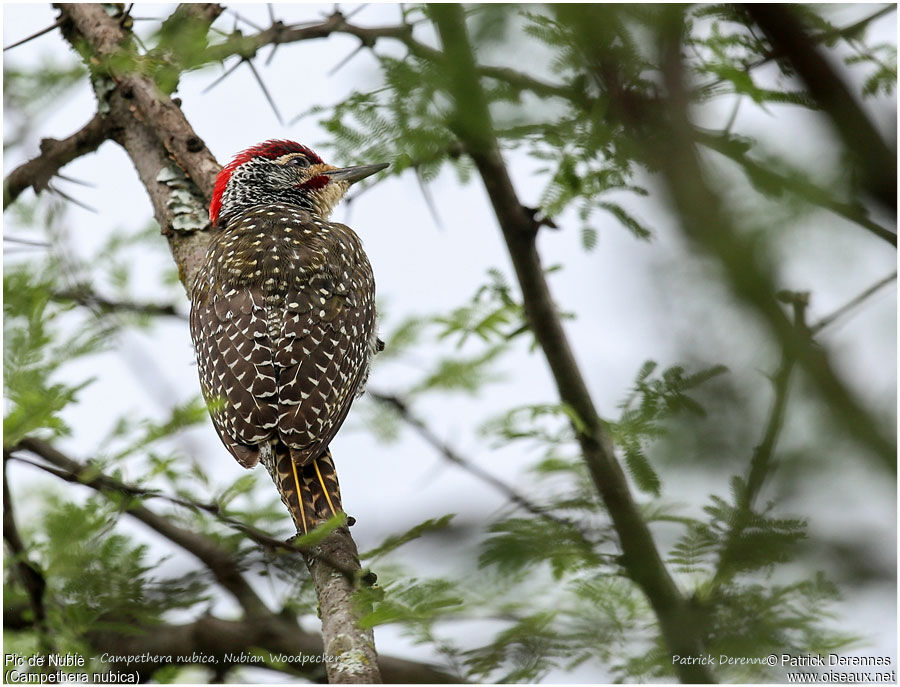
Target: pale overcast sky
<point x="621" y="292"/>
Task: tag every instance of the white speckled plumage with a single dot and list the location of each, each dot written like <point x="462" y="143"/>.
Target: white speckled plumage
<point x="283" y="322"/>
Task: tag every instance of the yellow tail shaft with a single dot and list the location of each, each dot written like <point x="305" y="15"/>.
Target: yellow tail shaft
<point x="310" y="492"/>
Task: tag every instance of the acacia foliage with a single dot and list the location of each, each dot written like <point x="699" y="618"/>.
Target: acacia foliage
<point x="547" y="582"/>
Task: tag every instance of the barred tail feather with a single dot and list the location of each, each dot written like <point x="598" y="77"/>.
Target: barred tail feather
<point x="310" y="492"/>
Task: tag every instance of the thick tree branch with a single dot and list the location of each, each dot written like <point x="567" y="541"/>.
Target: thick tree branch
<point x="472" y="123"/>
<point x="55" y="154"/>
<point x="152" y="128"/>
<point x="853" y="303"/>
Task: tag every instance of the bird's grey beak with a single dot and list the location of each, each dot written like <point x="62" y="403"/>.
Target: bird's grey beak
<point x="353" y="174"/>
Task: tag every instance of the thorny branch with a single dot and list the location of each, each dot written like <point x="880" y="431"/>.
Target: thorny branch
<point x="208" y="635"/>
<point x="337" y="23"/>
<point x="55" y="154"/>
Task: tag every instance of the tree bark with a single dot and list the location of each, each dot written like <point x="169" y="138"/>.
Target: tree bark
<point x="155" y="134"/>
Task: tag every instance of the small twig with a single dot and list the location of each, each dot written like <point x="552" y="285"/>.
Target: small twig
<point x="359" y="9"/>
<point x="847" y="307"/>
<point x="271" y="54"/>
<point x="734" y="112"/>
<point x="449" y="454"/>
<point x="335" y="68"/>
<point x="86" y="297"/>
<point x="72" y="180"/>
<point x="26" y="242"/>
<point x="244" y="19"/>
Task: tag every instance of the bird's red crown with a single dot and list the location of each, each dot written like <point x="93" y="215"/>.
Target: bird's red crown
<point x="269" y="150"/>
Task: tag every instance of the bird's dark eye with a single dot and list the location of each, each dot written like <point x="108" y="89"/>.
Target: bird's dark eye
<point x="299" y="161"/>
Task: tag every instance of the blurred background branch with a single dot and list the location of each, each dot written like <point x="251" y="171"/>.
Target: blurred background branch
<point x="662" y="435"/>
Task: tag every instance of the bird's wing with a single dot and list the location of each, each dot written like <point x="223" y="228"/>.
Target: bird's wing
<point x="237" y="375"/>
<point x="322" y="356"/>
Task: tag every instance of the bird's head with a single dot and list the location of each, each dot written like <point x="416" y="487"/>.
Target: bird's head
<point x="282" y="172"/>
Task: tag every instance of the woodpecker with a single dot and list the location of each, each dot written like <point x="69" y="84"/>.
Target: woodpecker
<point x="283" y="319"/>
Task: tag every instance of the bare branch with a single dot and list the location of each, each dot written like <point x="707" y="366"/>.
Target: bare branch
<point x="853" y="303"/>
<point x="451" y="455"/>
<point x="55" y="154"/>
<point x="86" y="297"/>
